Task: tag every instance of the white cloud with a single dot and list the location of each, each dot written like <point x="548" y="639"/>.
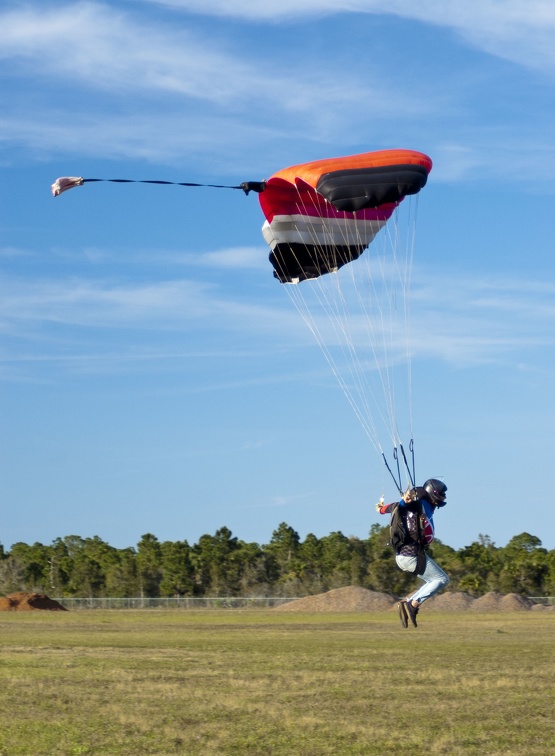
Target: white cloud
<point x="13" y="252"/>
<point x="262" y="10"/>
<point x="108" y="82"/>
<point x="100" y="81"/>
<point x="202" y="140"/>
<point x="87" y="303"/>
<point x="110" y="50"/>
<point x="253" y="258"/>
<point x="485" y="322"/>
<point x="32" y="306"/>
<point x="518" y="30"/>
<point x="497" y="15"/>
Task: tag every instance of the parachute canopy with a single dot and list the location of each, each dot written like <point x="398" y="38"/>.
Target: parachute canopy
<point x="322" y="215"/>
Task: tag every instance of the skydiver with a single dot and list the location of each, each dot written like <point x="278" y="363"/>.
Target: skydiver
<point x="416" y="532"/>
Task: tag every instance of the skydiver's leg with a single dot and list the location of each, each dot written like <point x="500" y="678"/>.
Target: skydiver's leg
<point x="434" y="580"/>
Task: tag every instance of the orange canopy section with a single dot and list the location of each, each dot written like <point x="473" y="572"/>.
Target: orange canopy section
<point x="311" y="172"/>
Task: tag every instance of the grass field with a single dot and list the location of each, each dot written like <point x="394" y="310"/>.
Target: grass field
<point x="267" y="682"/>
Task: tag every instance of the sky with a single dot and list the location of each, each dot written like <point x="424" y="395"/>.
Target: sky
<point x="155" y="377"/>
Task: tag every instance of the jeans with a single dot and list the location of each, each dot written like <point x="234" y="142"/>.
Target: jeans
<point x="433" y="576"/>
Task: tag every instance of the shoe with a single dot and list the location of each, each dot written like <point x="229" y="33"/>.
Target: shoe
<point x="403" y="616"/>
<point x="412" y="611"/>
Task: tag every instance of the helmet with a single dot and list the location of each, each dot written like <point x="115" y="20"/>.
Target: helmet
<point x="436" y="490"/>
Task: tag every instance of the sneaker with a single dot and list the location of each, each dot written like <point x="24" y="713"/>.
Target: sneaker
<point x="412" y="611"/>
<point x="403" y="616"/>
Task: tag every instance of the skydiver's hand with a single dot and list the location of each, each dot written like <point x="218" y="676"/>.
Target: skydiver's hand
<point x="379" y="506"/>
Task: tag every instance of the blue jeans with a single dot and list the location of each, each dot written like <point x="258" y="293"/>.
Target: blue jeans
<point x="433" y="576"/>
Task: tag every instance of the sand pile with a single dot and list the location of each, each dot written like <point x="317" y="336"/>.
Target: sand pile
<point x="349" y="599"/>
<point x="356" y="599"/>
<point x="450" y="602"/>
<point x="512" y="602"/>
<point x="489" y="602"/>
<point x="25" y="602"/>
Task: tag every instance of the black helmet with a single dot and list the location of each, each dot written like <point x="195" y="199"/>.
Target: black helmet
<point x="436" y="490"/>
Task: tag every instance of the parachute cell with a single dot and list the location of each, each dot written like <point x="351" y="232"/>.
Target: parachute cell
<point x="322" y="215"/>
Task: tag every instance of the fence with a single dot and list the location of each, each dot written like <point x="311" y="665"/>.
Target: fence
<point x="547" y="600"/>
<point x="188" y="602"/>
<point x="185" y="602"/>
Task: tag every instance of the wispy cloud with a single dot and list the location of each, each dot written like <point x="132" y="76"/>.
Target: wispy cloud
<point x="233" y="258"/>
<point x="107" y="49"/>
<point x="13" y="252"/>
<point x="518" y="30"/>
<point x="265" y="10"/>
<point x="219" y="144"/>
<point x="251" y="258"/>
<point x="201" y="91"/>
<point x="488" y="319"/>
<point x="174" y="305"/>
<point x="122" y="53"/>
<point x="486" y="322"/>
<point x="187" y="91"/>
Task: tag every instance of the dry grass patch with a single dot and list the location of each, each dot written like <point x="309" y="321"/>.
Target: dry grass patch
<point x="263" y="682"/>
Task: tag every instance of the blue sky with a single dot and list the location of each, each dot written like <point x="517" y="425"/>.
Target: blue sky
<point x="154" y="376"/>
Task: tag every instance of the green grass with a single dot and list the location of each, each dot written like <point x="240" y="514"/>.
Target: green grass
<point x="263" y="682"/>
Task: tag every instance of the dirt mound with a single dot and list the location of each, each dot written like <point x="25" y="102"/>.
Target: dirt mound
<point x="349" y="599"/>
<point x="356" y="599"/>
<point x="450" y="602"/>
<point x="512" y="602"/>
<point x="25" y="602"/>
<point x="489" y="602"/>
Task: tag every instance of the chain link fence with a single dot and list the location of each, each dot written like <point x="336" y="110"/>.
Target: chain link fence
<point x="188" y="602"/>
<point x="185" y="602"/>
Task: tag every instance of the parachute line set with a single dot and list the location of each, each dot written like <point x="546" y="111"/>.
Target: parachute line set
<point x="320" y="217"/>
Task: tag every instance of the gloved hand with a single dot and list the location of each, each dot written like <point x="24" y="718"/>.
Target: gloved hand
<point x="379" y="506"/>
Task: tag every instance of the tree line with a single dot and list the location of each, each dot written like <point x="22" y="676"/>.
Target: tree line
<point x="223" y="565"/>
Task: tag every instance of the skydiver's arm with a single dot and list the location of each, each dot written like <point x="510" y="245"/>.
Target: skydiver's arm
<point x="386" y="508"/>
